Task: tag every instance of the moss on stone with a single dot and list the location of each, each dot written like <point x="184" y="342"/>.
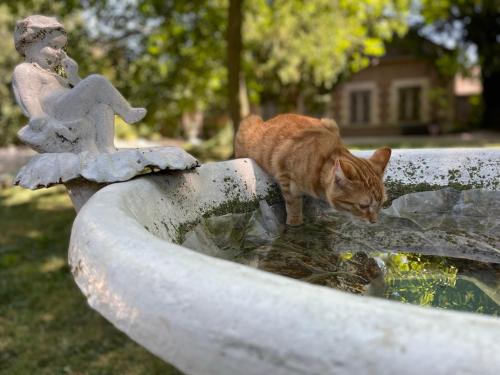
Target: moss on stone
<point x="235" y="205"/>
<point x="397" y="189"/>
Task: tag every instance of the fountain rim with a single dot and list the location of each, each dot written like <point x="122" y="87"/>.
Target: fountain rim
<point x="103" y="253"/>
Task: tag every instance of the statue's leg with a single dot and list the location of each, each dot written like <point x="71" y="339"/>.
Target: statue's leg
<point x="90" y="92"/>
<point x="104" y="117"/>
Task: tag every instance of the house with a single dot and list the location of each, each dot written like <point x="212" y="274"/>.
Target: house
<point x="403" y="92"/>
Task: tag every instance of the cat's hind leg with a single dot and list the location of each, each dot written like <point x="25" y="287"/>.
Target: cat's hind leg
<point x="293" y="210"/>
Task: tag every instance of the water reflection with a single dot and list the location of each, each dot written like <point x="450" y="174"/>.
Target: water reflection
<point x="444" y="282"/>
<point x="426" y="280"/>
<point x="405" y="257"/>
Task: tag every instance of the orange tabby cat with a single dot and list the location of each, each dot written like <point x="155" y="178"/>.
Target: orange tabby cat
<point x="306" y="156"/>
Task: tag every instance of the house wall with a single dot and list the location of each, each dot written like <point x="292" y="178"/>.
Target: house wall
<point x="384" y="79"/>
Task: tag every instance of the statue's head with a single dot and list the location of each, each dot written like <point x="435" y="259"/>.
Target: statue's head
<point x="41" y="39"/>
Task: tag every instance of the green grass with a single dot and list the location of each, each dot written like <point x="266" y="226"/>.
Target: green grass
<point x="46" y="326"/>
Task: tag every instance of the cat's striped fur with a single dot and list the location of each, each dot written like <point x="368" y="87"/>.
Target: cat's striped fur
<point x="306" y="156"/>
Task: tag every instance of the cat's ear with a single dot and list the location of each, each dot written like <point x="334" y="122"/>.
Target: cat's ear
<point x="341" y="179"/>
<point x="380" y="158"/>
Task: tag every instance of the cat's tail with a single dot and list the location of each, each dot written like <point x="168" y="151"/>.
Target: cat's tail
<point x="247" y="135"/>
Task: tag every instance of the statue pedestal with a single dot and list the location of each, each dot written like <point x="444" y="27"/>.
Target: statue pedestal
<point x="85" y="173"/>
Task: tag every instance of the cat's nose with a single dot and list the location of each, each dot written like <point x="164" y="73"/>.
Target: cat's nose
<point x="372" y="219"/>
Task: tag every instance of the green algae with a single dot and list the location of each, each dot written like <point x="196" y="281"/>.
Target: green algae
<point x="394" y="190"/>
<point x="236" y="205"/>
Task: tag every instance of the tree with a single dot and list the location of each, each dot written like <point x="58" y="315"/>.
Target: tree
<point x="176" y="56"/>
<point x="173" y="56"/>
<point x="288" y="46"/>
<point x="299" y="46"/>
<point x="234" y="47"/>
<point x="474" y="22"/>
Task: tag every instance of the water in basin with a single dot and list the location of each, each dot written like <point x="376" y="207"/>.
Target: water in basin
<point x="439" y="248"/>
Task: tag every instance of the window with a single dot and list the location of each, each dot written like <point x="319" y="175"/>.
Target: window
<point x="409" y="106"/>
<point x="360" y="106"/>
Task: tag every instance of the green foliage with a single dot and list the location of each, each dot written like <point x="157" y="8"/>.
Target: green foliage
<point x="174" y="56"/>
<point x="10" y="114"/>
<point x="473" y="22"/>
<point x="440" y="97"/>
<point x="170" y="56"/>
<point x="468" y="21"/>
<point x="295" y="49"/>
<point x="315" y="41"/>
<point x="218" y="147"/>
<point x="184" y="56"/>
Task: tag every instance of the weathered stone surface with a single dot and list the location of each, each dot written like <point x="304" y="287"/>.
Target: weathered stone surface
<point x="211" y="316"/>
<point x="45" y="170"/>
<point x="474" y="167"/>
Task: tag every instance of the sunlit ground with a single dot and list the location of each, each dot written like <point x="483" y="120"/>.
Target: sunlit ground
<point x="46" y="326"/>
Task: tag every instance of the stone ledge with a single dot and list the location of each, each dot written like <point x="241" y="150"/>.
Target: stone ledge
<point x="45" y="170"/>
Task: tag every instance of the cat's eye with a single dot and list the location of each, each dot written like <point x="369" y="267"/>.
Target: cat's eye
<point x="364" y="206"/>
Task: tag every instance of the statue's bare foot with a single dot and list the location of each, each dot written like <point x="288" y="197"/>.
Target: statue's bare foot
<point x="135" y="115"/>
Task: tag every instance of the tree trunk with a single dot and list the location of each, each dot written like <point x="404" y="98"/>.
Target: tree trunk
<point x="234" y="46"/>
<point x="483" y="30"/>
<point x="491" y="99"/>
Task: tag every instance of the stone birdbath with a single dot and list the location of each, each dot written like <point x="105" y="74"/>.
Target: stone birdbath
<point x="203" y="314"/>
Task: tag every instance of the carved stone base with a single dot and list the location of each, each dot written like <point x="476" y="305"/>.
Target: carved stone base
<point x="81" y="190"/>
<point x="45" y="170"/>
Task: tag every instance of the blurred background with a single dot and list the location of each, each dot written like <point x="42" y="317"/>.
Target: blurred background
<point x="402" y="73"/>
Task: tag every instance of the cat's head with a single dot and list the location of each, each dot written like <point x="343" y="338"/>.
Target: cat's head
<point x="357" y="184"/>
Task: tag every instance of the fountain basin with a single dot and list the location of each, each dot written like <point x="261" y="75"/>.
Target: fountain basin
<point x="210" y="316"/>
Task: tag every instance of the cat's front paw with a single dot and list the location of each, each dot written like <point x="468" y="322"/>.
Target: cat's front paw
<point x="294" y="220"/>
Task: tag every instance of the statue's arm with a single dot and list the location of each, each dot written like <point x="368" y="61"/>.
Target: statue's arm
<point x="27" y="86"/>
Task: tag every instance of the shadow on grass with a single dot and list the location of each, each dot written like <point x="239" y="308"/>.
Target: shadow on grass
<point x="46" y="326"/>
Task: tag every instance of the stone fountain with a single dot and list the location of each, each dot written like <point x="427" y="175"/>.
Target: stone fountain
<point x="203" y="314"/>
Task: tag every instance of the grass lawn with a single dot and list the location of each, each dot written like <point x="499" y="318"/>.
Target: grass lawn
<point x="46" y="326"/>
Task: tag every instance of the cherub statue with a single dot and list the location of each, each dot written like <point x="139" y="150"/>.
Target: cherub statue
<point x="67" y="114"/>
